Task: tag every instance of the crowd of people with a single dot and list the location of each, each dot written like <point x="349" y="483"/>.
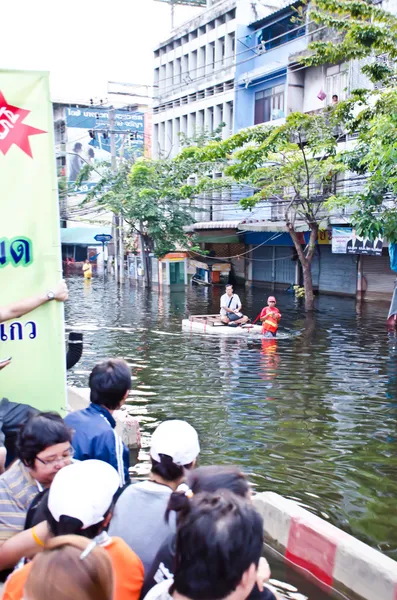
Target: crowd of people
<point x="73" y="526"/>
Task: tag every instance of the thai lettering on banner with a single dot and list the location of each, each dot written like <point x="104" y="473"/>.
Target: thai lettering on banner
<point x="18" y="331"/>
<point x="17" y="252"/>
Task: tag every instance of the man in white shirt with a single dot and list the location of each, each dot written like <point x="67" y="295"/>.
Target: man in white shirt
<point x="230" y="309"/>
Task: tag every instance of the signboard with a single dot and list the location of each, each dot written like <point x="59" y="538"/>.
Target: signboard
<point x="324" y="236"/>
<point x="103" y="238"/>
<point x="30" y="250"/>
<point x="88" y="140"/>
<point x="345" y="241"/>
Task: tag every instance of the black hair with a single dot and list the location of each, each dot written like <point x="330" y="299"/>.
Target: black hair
<point x="209" y="479"/>
<point x="218" y="539"/>
<point x="109" y="382"/>
<point x="38" y="433"/>
<point x="228" y="285"/>
<point x="72" y="526"/>
<point x="167" y="469"/>
<point x="77" y="146"/>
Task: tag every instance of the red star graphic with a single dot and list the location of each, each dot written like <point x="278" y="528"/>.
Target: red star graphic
<point x="12" y="128"/>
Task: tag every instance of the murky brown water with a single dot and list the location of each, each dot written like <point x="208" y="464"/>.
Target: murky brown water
<point x="312" y="417"/>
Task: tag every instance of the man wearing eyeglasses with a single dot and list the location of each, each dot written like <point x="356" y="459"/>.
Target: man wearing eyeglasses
<point x="44" y="447"/>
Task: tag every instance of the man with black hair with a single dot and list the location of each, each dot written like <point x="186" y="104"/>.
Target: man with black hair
<point x="94" y="434"/>
<point x="219" y="543"/>
<point x="43" y="448"/>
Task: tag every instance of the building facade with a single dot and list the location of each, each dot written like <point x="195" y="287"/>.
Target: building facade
<point x="237" y="63"/>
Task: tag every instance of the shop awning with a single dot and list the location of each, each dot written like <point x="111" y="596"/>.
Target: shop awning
<point x="83" y="236"/>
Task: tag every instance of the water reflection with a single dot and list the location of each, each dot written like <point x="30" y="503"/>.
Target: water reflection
<point x="311" y="415"/>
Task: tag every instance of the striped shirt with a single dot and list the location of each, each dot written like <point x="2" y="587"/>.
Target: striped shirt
<point x="17" y="490"/>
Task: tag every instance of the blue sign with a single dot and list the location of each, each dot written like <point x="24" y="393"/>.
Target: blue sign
<point x="103" y="237"/>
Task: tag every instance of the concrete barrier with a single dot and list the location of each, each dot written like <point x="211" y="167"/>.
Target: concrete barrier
<point x="127" y="426"/>
<point x="332" y="556"/>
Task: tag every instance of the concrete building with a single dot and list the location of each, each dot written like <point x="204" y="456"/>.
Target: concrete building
<point x="237" y="63"/>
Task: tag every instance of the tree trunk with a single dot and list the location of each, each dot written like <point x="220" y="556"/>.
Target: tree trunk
<point x="308" y="285"/>
<point x="306" y="262"/>
<point x="144" y="258"/>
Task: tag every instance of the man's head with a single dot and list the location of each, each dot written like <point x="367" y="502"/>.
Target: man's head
<point x="335" y="99"/>
<point x="229" y="289"/>
<point x="174" y="447"/>
<point x="81" y="498"/>
<point x="218" y="546"/>
<point x="271" y="301"/>
<point x="44" y="446"/>
<point x="110" y="382"/>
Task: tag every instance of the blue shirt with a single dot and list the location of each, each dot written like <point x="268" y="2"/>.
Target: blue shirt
<point x="94" y="436"/>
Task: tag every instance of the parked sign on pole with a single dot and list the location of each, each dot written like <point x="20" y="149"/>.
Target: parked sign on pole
<point x="30" y="249"/>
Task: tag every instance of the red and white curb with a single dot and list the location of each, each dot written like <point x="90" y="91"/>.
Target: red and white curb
<point x="332" y="556"/>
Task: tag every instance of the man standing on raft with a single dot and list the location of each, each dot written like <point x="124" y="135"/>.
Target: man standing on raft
<point x="270" y="316"/>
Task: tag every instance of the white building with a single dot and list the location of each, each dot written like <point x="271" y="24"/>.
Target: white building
<point x="194" y="78"/>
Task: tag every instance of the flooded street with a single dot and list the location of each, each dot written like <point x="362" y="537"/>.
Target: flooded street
<point x="311" y="417"/>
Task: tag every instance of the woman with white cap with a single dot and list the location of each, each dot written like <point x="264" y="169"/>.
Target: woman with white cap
<point x="139" y="512"/>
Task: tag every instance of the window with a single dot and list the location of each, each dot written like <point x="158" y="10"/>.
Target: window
<point x="211" y="56"/>
<point x="336" y="82"/>
<point x="269" y="104"/>
<point x="278" y="33"/>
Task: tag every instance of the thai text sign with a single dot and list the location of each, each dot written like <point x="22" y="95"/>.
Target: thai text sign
<point x="345" y="241"/>
<point x="30" y="256"/>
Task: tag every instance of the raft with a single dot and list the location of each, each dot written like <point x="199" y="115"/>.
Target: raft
<point x="212" y="325"/>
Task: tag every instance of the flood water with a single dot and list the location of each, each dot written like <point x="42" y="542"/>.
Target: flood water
<point x="311" y="416"/>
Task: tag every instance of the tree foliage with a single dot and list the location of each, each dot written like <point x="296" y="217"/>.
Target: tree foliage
<point x="367" y="32"/>
<point x="152" y="196"/>
<point x="292" y="166"/>
<point x="357" y="29"/>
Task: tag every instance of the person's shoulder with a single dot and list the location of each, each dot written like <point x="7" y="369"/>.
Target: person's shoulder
<point x="16" y="582"/>
<point x="77" y="415"/>
<point x="120" y="550"/>
<point x="14" y="476"/>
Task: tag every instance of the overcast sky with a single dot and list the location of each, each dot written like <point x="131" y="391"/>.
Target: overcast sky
<point x="84" y="44"/>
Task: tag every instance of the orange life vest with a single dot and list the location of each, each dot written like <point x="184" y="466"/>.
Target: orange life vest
<point x="270" y="323"/>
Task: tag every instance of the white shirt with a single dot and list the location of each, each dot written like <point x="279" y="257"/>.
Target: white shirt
<point x="225" y="300"/>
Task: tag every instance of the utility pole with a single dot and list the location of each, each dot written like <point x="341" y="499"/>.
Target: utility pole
<point x="115" y="224"/>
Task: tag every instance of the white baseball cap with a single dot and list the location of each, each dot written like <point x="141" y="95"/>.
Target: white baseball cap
<point x="177" y="439"/>
<point x="83" y="490"/>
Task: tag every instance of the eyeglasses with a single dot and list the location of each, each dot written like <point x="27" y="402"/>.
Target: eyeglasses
<point x="69" y="453"/>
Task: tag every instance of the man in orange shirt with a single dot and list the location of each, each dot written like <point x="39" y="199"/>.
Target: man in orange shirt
<point x="270" y="316"/>
<point x="80" y="502"/>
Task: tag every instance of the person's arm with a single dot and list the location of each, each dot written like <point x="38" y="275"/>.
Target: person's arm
<point x="23" y="544"/>
<point x="18" y="309"/>
<point x="263" y="313"/>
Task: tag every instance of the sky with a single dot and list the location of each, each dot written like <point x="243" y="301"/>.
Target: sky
<point x="84" y="44"/>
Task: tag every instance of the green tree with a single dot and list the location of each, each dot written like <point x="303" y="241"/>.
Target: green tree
<point x="293" y="166"/>
<point x="361" y="31"/>
<point x="152" y="197"/>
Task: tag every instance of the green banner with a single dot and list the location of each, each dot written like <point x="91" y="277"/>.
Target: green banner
<point x="30" y="251"/>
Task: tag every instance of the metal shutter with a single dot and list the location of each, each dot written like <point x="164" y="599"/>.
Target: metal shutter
<point x="262" y="268"/>
<point x="285" y="266"/>
<point x="337" y="273"/>
<point x="379" y="277"/>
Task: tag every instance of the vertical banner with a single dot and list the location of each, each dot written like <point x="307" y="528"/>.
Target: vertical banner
<point x="30" y="252"/>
